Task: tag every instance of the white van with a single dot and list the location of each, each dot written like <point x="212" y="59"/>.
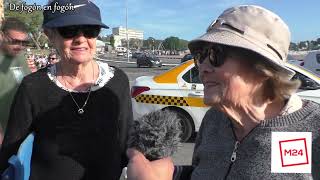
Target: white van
<point x="312" y="61"/>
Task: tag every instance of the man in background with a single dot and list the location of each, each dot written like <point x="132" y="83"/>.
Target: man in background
<point x="13" y="66"/>
<point x="53" y="58"/>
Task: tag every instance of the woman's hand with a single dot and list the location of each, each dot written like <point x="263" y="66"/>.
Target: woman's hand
<point x="140" y="168"/>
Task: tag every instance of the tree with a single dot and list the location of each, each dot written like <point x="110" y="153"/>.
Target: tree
<point x="112" y="41"/>
<point x="135" y="43"/>
<point x="174" y="43"/>
<point x="171" y="43"/>
<point x="183" y="44"/>
<point x="33" y="20"/>
<point x="293" y="47"/>
<point x="149" y="43"/>
<point x="303" y="45"/>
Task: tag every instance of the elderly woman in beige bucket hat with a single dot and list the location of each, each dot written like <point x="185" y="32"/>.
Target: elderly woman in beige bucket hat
<point x="241" y="59"/>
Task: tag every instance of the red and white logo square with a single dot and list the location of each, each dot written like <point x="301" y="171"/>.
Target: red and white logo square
<point x="291" y="152"/>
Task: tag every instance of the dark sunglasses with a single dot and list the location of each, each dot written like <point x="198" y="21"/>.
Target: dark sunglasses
<point x="12" y="41"/>
<point x="52" y="58"/>
<point x="215" y="54"/>
<point x="89" y="31"/>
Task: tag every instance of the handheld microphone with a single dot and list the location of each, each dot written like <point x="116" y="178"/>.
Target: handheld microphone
<point x="156" y="135"/>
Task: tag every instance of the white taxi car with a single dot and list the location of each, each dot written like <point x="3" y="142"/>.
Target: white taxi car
<point x="181" y="91"/>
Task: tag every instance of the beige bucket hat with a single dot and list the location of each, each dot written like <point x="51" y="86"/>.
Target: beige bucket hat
<point x="254" y="28"/>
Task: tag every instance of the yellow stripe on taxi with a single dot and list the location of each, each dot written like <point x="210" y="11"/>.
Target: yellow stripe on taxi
<point x="171" y="76"/>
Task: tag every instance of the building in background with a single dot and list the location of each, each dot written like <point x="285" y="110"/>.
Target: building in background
<point x="119" y="34"/>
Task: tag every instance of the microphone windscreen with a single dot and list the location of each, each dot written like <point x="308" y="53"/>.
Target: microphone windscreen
<point x="156" y="135"/>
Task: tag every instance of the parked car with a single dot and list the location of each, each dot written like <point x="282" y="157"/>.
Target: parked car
<point x="120" y="53"/>
<point x="136" y="54"/>
<point x="181" y="91"/>
<point x="148" y="60"/>
<point x="125" y="54"/>
<point x="296" y="62"/>
<point x="312" y="61"/>
<point x="187" y="57"/>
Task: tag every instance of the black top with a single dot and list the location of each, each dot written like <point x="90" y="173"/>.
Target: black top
<point x="67" y="145"/>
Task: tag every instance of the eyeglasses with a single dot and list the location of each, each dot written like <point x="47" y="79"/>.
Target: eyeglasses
<point x="13" y="41"/>
<point x="89" y="31"/>
<point x="215" y="54"/>
<point x="52" y="58"/>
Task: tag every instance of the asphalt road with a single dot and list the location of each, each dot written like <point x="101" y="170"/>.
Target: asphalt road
<point x="184" y="154"/>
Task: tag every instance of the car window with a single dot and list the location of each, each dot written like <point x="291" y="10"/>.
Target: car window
<point x="192" y="76"/>
<point x="306" y="82"/>
<point x="318" y="58"/>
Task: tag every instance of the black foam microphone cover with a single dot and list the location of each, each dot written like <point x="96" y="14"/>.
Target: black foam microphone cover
<point x="156" y="135"/>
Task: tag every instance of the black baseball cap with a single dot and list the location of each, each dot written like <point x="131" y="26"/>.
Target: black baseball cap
<point x="77" y="12"/>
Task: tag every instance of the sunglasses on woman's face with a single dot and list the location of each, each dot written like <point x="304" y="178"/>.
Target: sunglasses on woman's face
<point x="88" y="31"/>
<point x="216" y="56"/>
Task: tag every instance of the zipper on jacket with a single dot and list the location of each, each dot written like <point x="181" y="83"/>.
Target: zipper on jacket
<point x="234" y="152"/>
<point x="233" y="157"/>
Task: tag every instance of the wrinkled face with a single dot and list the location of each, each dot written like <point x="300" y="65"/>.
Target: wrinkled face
<point x="14" y="42"/>
<point x="231" y="82"/>
<point x="77" y="49"/>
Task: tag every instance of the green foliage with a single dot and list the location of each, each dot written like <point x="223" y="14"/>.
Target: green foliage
<point x="174" y="43"/>
<point x="171" y="43"/>
<point x="149" y="43"/>
<point x="33" y="20"/>
<point x="293" y="47"/>
<point x="135" y="43"/>
<point x="183" y="44"/>
<point x="306" y="45"/>
<point x="112" y="41"/>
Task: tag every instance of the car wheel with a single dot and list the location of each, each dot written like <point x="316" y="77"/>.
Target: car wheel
<point x="186" y="127"/>
<point x="186" y="124"/>
<point x="138" y="65"/>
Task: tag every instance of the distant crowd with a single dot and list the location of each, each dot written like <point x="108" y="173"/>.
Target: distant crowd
<point x="38" y="61"/>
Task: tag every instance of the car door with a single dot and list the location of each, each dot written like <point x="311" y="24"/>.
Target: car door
<point x="192" y="89"/>
<point x="318" y="64"/>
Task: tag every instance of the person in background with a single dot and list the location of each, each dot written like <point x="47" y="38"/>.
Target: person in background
<point x="53" y="58"/>
<point x="13" y="66"/>
<point x="78" y="108"/>
<point x="30" y="58"/>
<point x="241" y="60"/>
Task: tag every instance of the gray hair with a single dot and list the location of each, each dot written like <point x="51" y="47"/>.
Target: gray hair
<point x="278" y="86"/>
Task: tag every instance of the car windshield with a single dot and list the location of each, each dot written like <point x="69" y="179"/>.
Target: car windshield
<point x="304" y="69"/>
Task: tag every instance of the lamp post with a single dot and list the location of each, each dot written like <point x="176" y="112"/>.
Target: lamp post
<point x="127" y="30"/>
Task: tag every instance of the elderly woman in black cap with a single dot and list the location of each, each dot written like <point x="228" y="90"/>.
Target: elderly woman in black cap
<point x="241" y="60"/>
<point x="79" y="108"/>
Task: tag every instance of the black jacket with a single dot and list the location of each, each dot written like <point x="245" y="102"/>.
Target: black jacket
<point x="68" y="145"/>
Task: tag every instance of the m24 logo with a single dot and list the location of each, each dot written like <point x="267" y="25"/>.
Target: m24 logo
<point x="293" y="148"/>
<point x="293" y="152"/>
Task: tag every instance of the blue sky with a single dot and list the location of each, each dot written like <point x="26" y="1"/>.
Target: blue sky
<point x="188" y="19"/>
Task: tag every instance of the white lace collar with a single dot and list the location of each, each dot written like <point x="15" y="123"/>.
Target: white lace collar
<point x="105" y="74"/>
<point x="294" y="103"/>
